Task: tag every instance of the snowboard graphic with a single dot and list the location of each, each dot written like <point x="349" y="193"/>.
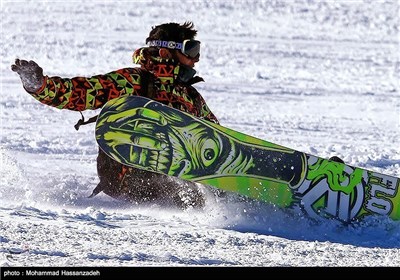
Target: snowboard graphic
<point x="143" y="133"/>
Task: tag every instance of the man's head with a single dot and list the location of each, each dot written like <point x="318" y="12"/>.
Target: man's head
<point x="174" y="40"/>
<point x="172" y="32"/>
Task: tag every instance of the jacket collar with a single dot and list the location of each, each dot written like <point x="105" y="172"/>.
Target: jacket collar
<point x="165" y="68"/>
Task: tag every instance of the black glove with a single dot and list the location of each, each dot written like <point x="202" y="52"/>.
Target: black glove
<point x="30" y="73"/>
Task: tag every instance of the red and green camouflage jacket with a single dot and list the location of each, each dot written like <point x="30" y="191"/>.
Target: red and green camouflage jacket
<point x="81" y="93"/>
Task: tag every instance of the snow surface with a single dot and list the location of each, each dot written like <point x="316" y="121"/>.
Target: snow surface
<point x="318" y="76"/>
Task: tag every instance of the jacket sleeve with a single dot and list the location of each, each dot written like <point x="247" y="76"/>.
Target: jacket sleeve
<point x="81" y="93"/>
<point x="206" y="112"/>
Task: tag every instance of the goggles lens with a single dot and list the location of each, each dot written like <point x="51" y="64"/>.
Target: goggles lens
<point x="190" y="48"/>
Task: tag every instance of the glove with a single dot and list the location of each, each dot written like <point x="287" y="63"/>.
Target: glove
<point x="30" y="73"/>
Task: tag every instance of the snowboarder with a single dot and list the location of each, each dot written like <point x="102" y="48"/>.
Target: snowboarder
<point x="166" y="75"/>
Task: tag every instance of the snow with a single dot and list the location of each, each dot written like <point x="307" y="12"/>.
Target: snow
<point x="321" y="77"/>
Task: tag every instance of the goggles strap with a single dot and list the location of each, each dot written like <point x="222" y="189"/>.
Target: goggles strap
<point x="166" y="44"/>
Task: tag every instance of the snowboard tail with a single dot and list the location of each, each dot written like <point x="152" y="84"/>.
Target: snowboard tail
<point x="146" y="134"/>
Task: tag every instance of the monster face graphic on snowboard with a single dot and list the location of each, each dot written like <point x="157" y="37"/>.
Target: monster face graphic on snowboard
<point x="145" y="134"/>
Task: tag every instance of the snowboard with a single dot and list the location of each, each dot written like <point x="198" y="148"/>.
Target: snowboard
<point x="142" y="133"/>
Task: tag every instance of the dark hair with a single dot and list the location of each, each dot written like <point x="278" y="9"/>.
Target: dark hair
<point x="172" y="32"/>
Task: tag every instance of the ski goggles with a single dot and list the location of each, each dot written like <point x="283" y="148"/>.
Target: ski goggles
<point x="190" y="48"/>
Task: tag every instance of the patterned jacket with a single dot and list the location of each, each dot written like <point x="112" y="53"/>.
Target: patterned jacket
<point x="81" y="93"/>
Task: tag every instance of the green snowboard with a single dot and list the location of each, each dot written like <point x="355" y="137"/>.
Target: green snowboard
<point x="146" y="134"/>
